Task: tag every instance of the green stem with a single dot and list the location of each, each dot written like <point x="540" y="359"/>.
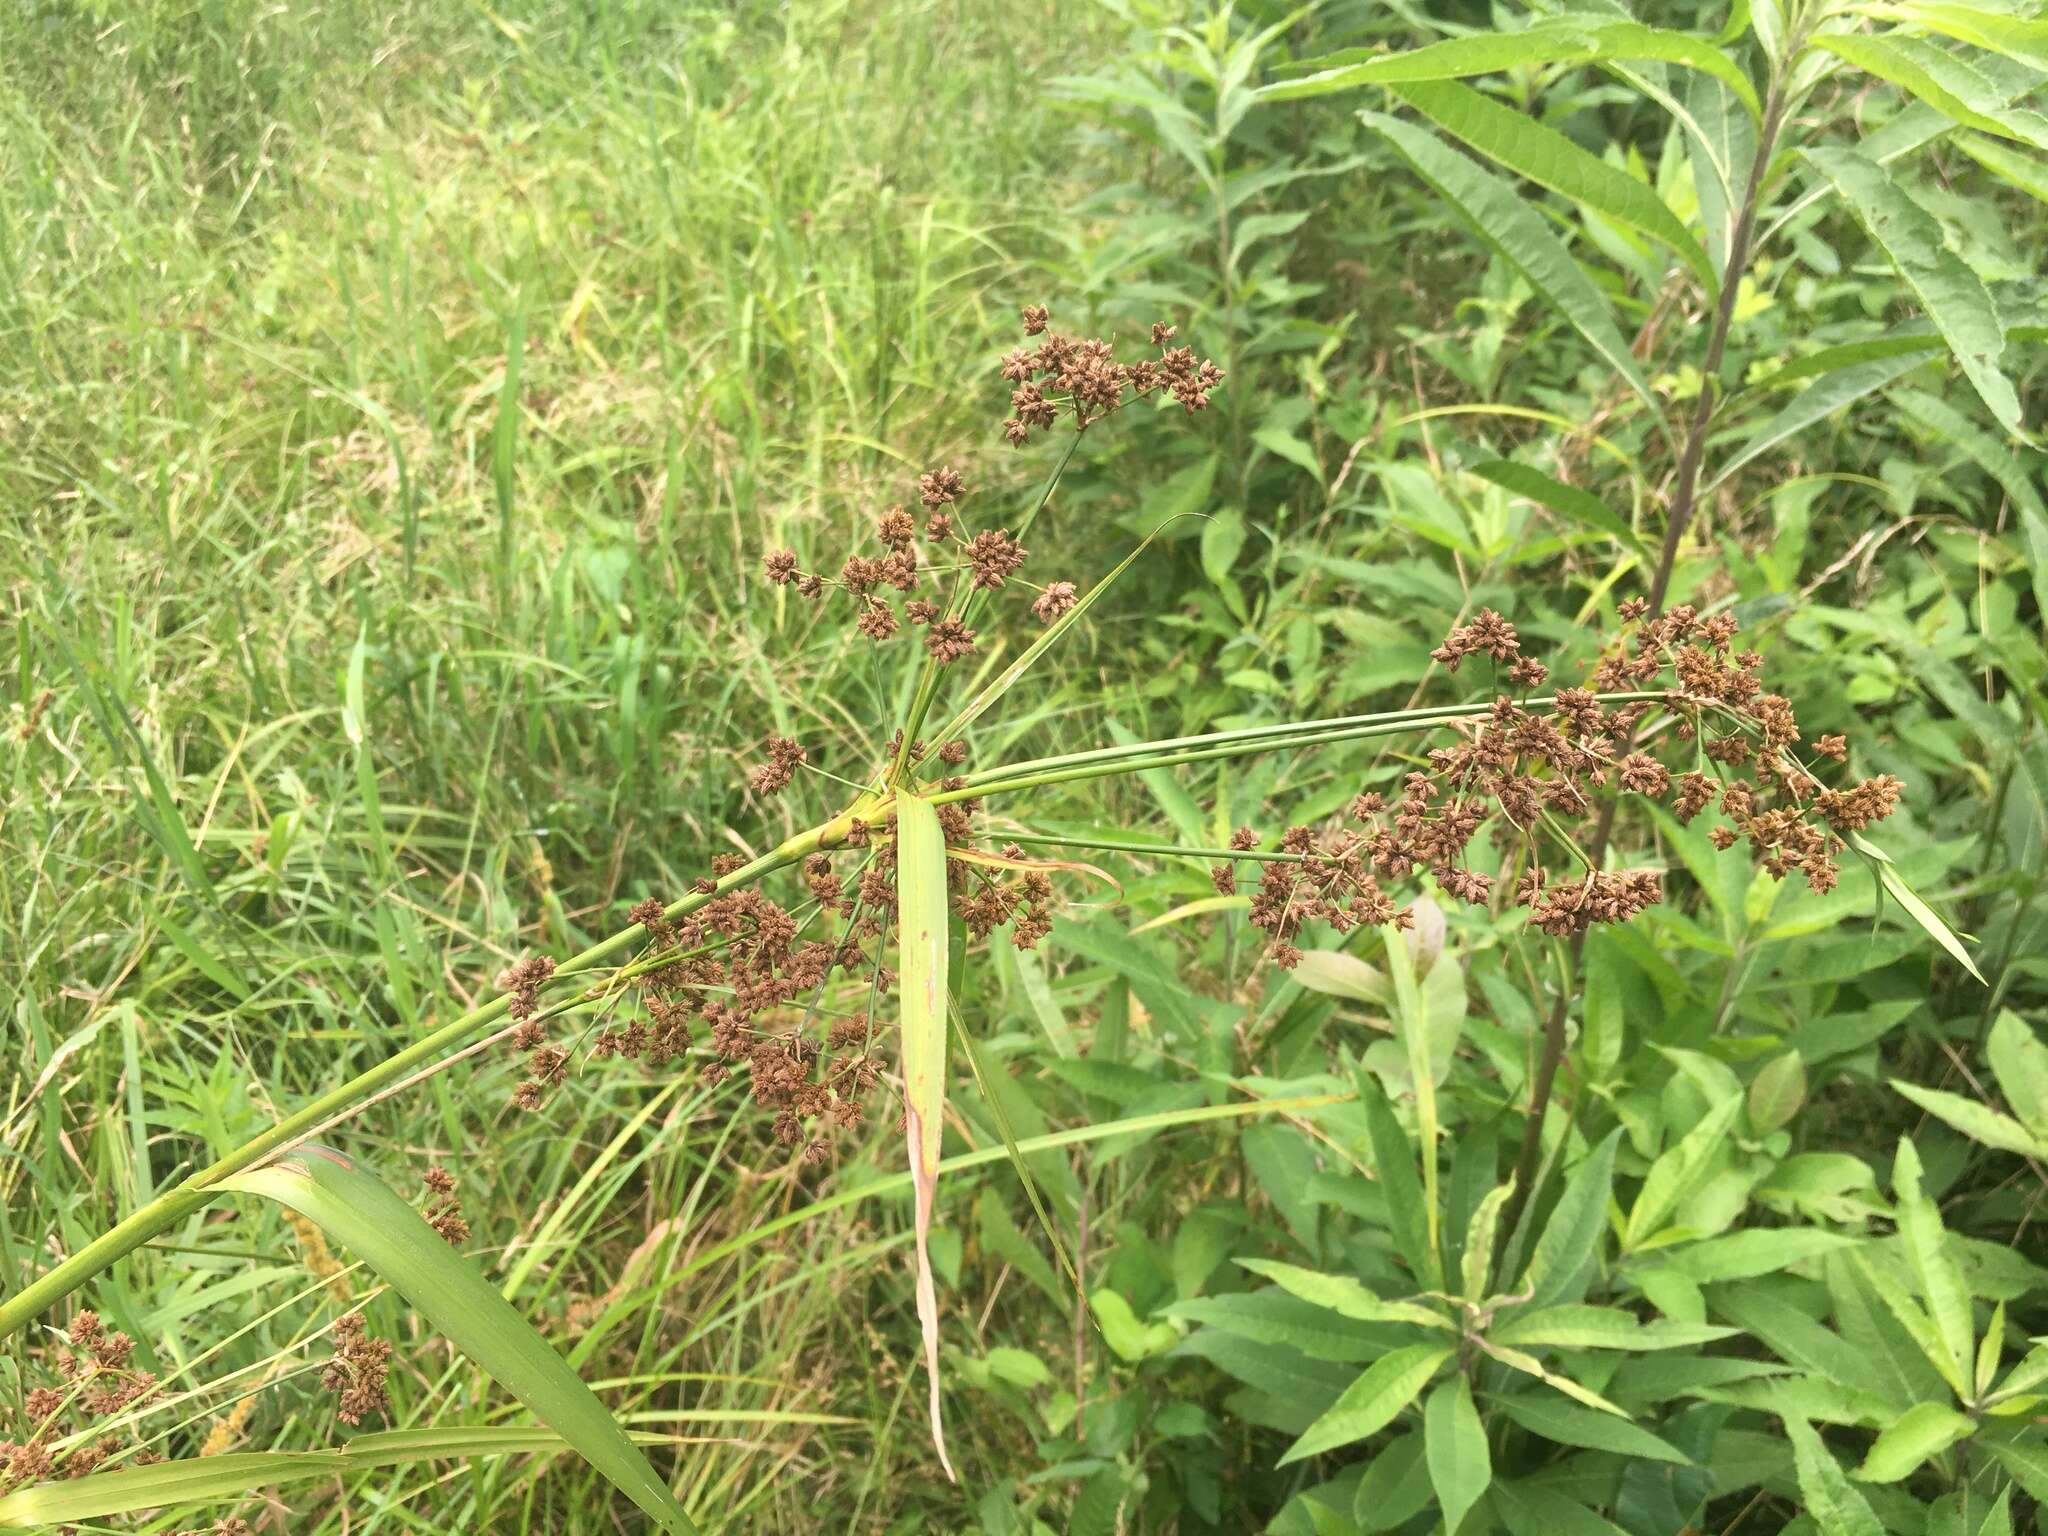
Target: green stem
<point x="1158" y="850"/>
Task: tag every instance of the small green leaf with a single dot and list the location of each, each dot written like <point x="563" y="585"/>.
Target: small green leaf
<point x="1976" y="1121"/>
<point x="1343" y="1295"/>
<point x="1678" y="1172"/>
<point x="1565" y="1423"/>
<point x="1837" y="1508"/>
<point x="1776" y="1092"/>
<point x="1372" y="1402"/>
<point x="1131" y="1339"/>
<point x="1454" y="1442"/>
<point x="365" y="1218"/>
<point x="2020" y="1062"/>
<point x="1923" y="1430"/>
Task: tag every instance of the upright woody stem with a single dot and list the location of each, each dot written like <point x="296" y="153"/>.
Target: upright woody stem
<point x="1684" y="501"/>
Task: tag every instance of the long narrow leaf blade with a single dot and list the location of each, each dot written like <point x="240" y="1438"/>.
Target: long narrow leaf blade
<point x="1496" y="215"/>
<point x="921" y="937"/>
<point x="358" y="1212"/>
<point x="1546" y="157"/>
<point x="203" y="1480"/>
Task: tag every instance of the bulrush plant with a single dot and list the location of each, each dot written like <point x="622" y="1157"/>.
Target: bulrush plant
<point x="799" y="985"/>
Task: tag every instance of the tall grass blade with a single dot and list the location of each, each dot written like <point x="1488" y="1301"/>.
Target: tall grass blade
<point x="358" y="1212"/>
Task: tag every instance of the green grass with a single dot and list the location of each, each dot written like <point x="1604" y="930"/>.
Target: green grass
<point x="396" y="403"/>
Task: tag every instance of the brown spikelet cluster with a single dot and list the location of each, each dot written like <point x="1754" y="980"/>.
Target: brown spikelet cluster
<point x="773" y="776"/>
<point x="444" y="1206"/>
<point x="1083" y="380"/>
<point x="357" y="1371"/>
<point x="1080" y="381"/>
<point x="94" y="1381"/>
<point x="1534" y="770"/>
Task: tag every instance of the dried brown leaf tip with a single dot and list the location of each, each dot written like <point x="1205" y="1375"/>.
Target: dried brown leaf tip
<point x="357" y="1370"/>
<point x="1537" y="771"/>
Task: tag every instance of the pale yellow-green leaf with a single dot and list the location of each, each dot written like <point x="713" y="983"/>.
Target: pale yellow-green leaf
<point x="922" y="960"/>
<point x="1941" y="1278"/>
<point x="1923" y="1430"/>
<point x="1372" y="1402"/>
<point x="1343" y="1295"/>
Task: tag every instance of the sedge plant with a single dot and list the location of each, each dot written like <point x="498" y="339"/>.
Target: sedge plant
<point x="1674" y="712"/>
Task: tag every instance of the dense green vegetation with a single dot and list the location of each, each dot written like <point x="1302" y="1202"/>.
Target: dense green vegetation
<point x="395" y="407"/>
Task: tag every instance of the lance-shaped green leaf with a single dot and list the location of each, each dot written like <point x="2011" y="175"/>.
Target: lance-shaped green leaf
<point x="1372" y="1402"/>
<point x="1822" y="399"/>
<point x="1394" y="1164"/>
<point x="1543" y="155"/>
<point x="1343" y="1295"/>
<point x="1940" y="1277"/>
<point x="1564" y="1423"/>
<point x="1678" y="1172"/>
<point x="1577" y="41"/>
<point x="2020" y="474"/>
<point x="1454" y="1444"/>
<point x="1586" y="1327"/>
<point x="1910" y="903"/>
<point x="1950" y="293"/>
<point x="1923" y="1430"/>
<point x="1977" y="1121"/>
<point x="922" y="961"/>
<point x="1495" y="215"/>
<point x="1522" y="1360"/>
<point x="1568" y="1253"/>
<point x="2024" y="38"/>
<point x="1569" y="502"/>
<point x="365" y="1218"/>
<point x="2020" y="1063"/>
<point x="1836" y="1506"/>
<point x="1945" y="82"/>
<point x="1411" y="1022"/>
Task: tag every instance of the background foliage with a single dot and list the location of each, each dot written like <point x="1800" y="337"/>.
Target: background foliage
<point x="393" y="404"/>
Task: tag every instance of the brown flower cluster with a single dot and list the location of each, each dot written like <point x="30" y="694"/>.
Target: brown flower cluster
<point x="96" y="1382"/>
<point x="444" y="1206"/>
<point x="988" y="559"/>
<point x="1535" y="770"/>
<point x="773" y="776"/>
<point x="1084" y="379"/>
<point x="357" y="1371"/>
